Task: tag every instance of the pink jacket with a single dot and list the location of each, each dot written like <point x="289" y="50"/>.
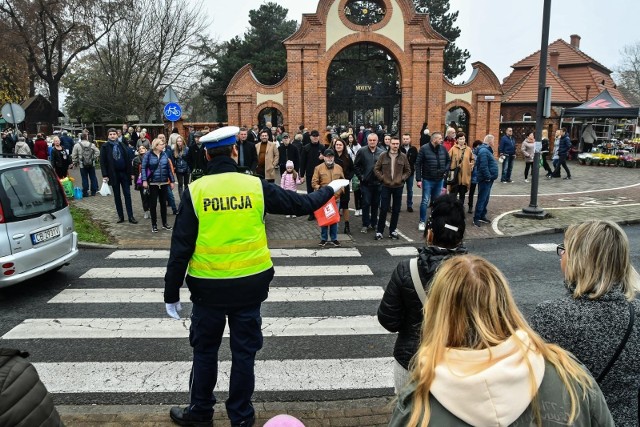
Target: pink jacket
<point x="288" y="183"/>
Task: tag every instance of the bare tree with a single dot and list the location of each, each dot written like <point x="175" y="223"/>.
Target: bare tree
<point x="135" y="62"/>
<point x="629" y="72"/>
<point x="54" y="32"/>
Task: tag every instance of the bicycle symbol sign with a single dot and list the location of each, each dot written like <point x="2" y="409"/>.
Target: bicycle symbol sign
<point x="172" y="112"/>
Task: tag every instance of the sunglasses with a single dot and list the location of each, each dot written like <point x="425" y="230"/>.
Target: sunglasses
<point x="560" y="249"/>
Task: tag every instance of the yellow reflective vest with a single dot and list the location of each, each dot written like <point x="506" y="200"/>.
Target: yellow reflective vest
<point x="232" y="241"/>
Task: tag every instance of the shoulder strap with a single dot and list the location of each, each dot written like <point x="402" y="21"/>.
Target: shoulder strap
<point x="632" y="315"/>
<point x="415" y="278"/>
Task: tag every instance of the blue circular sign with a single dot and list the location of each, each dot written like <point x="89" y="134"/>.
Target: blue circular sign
<point x="172" y="112"/>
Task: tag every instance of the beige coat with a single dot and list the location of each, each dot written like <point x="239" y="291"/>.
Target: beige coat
<point x="322" y="176"/>
<point x="464" y="158"/>
<point x="271" y="159"/>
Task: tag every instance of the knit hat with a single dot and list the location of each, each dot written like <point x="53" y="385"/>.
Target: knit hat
<point x="289" y="163"/>
<point x="284" y="421"/>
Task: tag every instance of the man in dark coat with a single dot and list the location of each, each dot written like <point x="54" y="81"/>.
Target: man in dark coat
<point x="431" y="167"/>
<point x="116" y="164"/>
<point x="247" y="157"/>
<point x="487" y="170"/>
<point x="412" y="154"/>
<point x="196" y="158"/>
<point x="310" y="158"/>
<point x="24" y="400"/>
<point x="287" y="151"/>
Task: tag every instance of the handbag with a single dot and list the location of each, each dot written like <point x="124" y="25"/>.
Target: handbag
<point x="328" y="214"/>
<point x="452" y="178"/>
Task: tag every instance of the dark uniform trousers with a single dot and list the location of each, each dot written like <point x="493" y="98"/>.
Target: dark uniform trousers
<point x="205" y="336"/>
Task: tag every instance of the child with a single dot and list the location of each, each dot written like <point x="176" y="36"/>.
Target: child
<point x="290" y="180"/>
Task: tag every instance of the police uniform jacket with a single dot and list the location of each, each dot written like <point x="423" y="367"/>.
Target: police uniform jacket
<point x="236" y="292"/>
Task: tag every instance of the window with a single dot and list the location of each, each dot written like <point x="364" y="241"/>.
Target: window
<point x="364" y="12"/>
<point x="30" y="191"/>
<point x="526" y="117"/>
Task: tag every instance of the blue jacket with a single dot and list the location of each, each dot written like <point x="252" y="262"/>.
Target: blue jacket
<point x="474" y="171"/>
<point x="486" y="164"/>
<point x="565" y="146"/>
<point x="507" y="145"/>
<point x="157" y="169"/>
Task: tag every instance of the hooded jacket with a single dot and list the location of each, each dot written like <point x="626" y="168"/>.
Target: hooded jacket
<point x="24" y="400"/>
<point x="491" y="387"/>
<point x="401" y="309"/>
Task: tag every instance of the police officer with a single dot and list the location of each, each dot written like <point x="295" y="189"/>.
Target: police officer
<point x="219" y="241"/>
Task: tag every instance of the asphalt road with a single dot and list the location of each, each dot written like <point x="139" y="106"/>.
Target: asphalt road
<point x="534" y="276"/>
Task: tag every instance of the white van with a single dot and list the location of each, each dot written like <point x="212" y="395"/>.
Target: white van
<point x="36" y="228"/>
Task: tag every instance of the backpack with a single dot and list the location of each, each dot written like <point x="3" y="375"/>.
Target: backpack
<point x="87" y="156"/>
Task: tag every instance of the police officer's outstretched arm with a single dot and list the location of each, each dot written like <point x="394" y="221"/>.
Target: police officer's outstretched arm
<point x="283" y="202"/>
<point x="183" y="244"/>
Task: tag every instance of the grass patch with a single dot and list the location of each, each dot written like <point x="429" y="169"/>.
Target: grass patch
<point x="89" y="230"/>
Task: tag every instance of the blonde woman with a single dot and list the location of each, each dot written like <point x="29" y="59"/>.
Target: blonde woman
<point x="479" y="363"/>
<point x="182" y="167"/>
<point x="157" y="174"/>
<point x="462" y="158"/>
<point x="591" y="321"/>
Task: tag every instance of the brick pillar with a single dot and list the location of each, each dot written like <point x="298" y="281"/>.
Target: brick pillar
<point x="435" y="102"/>
<point x="414" y="94"/>
<point x="314" y="102"/>
<point x="293" y="117"/>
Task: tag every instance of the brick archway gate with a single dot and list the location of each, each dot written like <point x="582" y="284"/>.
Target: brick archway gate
<point x="411" y="41"/>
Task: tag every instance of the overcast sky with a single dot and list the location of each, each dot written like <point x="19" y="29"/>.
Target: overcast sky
<point x="496" y="32"/>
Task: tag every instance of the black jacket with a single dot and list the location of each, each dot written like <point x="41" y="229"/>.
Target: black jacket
<point x="24" y="400"/>
<point x="309" y="159"/>
<point x="250" y="155"/>
<point x="106" y="161"/>
<point x="432" y="163"/>
<point x="288" y="152"/>
<point x="237" y="292"/>
<point x="400" y="309"/>
<point x="364" y="163"/>
<point x="412" y="155"/>
<point x="196" y="158"/>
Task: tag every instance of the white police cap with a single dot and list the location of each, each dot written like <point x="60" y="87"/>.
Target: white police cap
<point x="220" y="137"/>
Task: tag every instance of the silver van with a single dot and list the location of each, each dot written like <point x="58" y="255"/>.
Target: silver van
<point x="36" y="228"/>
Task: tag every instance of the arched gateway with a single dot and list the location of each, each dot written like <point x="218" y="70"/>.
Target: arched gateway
<point x="367" y="61"/>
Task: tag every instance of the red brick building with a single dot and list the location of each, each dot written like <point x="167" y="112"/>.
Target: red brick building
<point x="367" y="61"/>
<point x="574" y="78"/>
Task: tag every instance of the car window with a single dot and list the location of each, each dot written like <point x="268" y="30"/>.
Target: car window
<point x="29" y="191"/>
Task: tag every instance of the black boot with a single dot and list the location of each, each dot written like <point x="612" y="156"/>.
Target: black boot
<point x="183" y="417"/>
<point x="347" y="229"/>
<point x="470" y="209"/>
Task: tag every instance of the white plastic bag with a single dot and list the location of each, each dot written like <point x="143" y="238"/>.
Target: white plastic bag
<point x="105" y="190"/>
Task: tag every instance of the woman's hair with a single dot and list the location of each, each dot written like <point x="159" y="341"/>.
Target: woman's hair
<point x="447" y="221"/>
<point x="598" y="258"/>
<point x="461" y="135"/>
<point x="476" y="143"/>
<point x="545" y="134"/>
<point x="155" y="143"/>
<point x="179" y="150"/>
<point x="470" y="306"/>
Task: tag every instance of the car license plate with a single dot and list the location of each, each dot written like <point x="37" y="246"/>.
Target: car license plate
<point x="44" y="235"/>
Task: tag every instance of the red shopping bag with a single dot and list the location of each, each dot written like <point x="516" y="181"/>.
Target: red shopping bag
<point x="328" y="214"/>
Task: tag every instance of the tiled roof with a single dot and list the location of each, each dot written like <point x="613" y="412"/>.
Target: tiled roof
<point x="526" y="89"/>
<point x="569" y="55"/>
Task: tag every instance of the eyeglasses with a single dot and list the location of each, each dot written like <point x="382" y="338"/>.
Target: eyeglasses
<point x="560" y="249"/>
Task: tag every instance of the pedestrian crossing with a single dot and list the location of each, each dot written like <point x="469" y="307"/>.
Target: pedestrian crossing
<point x="319" y="324"/>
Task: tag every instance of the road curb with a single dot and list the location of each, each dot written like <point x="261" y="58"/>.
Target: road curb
<point x="91" y="245"/>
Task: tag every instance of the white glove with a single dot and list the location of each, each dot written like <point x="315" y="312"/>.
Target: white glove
<point x="337" y="184"/>
<point x="173" y="309"/>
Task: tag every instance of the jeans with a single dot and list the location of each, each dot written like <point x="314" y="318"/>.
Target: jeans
<point x="89" y="173"/>
<point x="171" y="201"/>
<point x="331" y="230"/>
<point x="409" y="184"/>
<point x="484" y="191"/>
<point x="507" y="167"/>
<point x="158" y="192"/>
<point x="562" y="161"/>
<point x="430" y="191"/>
<point x="205" y="336"/>
<point x="386" y="198"/>
<point x="370" y="204"/>
<point x="122" y="181"/>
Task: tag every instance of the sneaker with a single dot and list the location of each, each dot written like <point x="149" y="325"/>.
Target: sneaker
<point x="409" y="209"/>
<point x="287" y="216"/>
<point x="293" y="216"/>
<point x="567" y="177"/>
<point x="394" y="235"/>
<point x="526" y="180"/>
<point x="503" y="181"/>
<point x="322" y="243"/>
<point x="335" y="243"/>
<point x="167" y="227"/>
<point x="378" y="236"/>
<point x="154" y="228"/>
<point x="146" y="215"/>
<point x="485" y="220"/>
<point x="421" y="226"/>
<point x="364" y="230"/>
<point x="477" y="224"/>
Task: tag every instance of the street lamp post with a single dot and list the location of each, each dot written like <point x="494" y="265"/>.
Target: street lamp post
<point x="533" y="210"/>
